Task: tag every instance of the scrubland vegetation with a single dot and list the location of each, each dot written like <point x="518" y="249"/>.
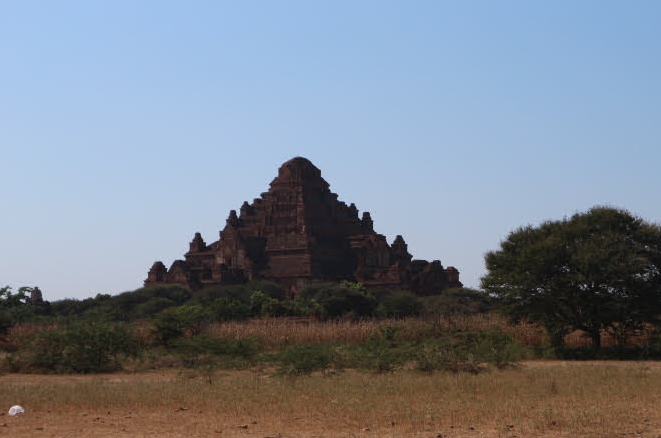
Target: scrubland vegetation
<point x="339" y="359"/>
<point x="454" y="366"/>
<point x="327" y="327"/>
<point x="460" y="331"/>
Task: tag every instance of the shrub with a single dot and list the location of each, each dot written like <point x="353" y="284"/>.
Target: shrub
<point x="335" y="300"/>
<point x="238" y="292"/>
<point x="398" y="305"/>
<point x="269" y="288"/>
<point x="5" y="323"/>
<point x="123" y="306"/>
<point x="651" y="348"/>
<point x="382" y="352"/>
<point x="227" y="309"/>
<point x="210" y="352"/>
<point x="458" y="301"/>
<point x="495" y="347"/>
<point x="273" y="308"/>
<point x="380" y="356"/>
<point x="305" y="358"/>
<point x="174" y="322"/>
<point x="446" y="357"/>
<point x="67" y="307"/>
<point x="358" y="287"/>
<point x="80" y="348"/>
<point x="469" y="352"/>
<point x="206" y="296"/>
<point x="152" y="306"/>
<point x="257" y="301"/>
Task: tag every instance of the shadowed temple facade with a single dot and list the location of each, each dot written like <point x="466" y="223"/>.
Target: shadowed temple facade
<point x="296" y="234"/>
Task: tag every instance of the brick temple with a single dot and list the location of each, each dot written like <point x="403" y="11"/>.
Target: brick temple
<point x="299" y="233"/>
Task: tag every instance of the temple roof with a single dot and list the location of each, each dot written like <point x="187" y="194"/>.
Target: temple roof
<point x="299" y="162"/>
<point x="299" y="171"/>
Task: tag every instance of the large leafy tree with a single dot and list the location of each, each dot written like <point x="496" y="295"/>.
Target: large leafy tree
<point x="594" y="271"/>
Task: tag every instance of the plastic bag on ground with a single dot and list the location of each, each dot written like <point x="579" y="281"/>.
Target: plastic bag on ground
<point x="16" y="410"/>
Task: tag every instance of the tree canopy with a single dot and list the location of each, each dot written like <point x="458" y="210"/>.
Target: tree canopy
<point x="596" y="270"/>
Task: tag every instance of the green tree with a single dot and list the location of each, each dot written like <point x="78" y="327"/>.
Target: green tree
<point x="339" y="300"/>
<point x="358" y="287"/>
<point x="87" y="347"/>
<point x="5" y="323"/>
<point x="9" y="299"/>
<point x="455" y="304"/>
<point x="398" y="305"/>
<point x="174" y="322"/>
<point x="16" y="306"/>
<point x="257" y="301"/>
<point x="596" y="270"/>
<point x="227" y="309"/>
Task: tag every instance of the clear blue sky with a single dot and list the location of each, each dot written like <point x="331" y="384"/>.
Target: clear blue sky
<point x="126" y="126"/>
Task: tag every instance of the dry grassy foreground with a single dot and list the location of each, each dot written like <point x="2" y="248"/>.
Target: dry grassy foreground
<point x="550" y="399"/>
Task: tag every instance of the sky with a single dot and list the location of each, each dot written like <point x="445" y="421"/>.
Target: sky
<point x="127" y="126"/>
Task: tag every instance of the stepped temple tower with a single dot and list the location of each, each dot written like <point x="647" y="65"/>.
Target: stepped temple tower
<point x="298" y="233"/>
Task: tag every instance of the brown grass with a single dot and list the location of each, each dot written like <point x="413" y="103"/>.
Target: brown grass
<point x="276" y="332"/>
<point x="273" y="332"/>
<point x="541" y="399"/>
<point x="285" y="331"/>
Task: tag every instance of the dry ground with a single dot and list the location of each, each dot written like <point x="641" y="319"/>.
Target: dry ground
<point x="541" y="399"/>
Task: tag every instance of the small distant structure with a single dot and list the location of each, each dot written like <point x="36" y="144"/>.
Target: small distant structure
<point x="36" y="298"/>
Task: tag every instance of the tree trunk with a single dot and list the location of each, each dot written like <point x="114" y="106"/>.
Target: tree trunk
<point x="556" y="335"/>
<point x="595" y="335"/>
<point x="557" y="340"/>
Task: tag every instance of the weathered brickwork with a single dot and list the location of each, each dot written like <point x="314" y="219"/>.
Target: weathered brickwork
<point x="298" y="233"/>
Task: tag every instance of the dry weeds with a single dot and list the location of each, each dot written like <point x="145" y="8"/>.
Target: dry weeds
<point x="285" y="331"/>
<point x="273" y="332"/>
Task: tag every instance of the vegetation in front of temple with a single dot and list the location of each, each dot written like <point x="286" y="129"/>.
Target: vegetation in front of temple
<point x="162" y="325"/>
<point x="597" y="273"/>
<point x="325" y="328"/>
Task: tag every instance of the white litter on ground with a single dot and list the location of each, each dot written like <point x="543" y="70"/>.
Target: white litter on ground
<point x="16" y="410"/>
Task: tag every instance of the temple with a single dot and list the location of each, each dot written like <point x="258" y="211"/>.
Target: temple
<point x="299" y="233"/>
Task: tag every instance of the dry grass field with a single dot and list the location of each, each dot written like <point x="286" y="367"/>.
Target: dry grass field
<point x="538" y="399"/>
<point x="272" y="332"/>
